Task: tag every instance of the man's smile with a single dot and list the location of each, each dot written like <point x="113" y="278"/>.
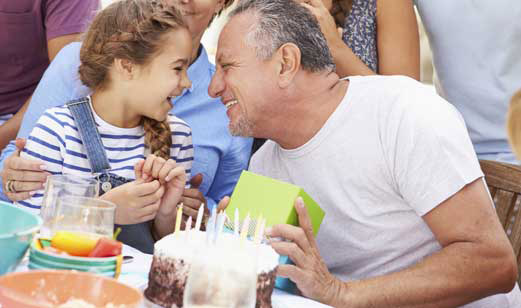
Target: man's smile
<point x="231" y="103"/>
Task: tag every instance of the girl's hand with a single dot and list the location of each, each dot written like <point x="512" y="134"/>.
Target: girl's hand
<point x="325" y="20"/>
<point x="137" y="201"/>
<point x="171" y="176"/>
<point x="174" y="178"/>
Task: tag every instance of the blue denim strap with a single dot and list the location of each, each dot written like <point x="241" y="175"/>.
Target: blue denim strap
<point x="82" y="114"/>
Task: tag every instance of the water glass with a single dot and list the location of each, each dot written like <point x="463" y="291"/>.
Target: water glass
<point x="91" y="216"/>
<point x="220" y="278"/>
<point x="59" y="186"/>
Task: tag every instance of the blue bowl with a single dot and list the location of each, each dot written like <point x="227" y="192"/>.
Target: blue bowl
<point x="17" y="228"/>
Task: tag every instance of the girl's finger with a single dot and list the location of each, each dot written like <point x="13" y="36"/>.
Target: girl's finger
<point x="167" y="167"/>
<point x="138" y="169"/>
<point x="156" y="167"/>
<point x="149" y="210"/>
<point x="147" y="166"/>
<point x="178" y="171"/>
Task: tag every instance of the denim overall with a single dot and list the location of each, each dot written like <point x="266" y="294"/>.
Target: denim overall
<point x="137" y="235"/>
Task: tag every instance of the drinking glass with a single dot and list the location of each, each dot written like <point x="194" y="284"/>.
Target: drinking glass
<point x="84" y="215"/>
<point x="220" y="278"/>
<point x="59" y="186"/>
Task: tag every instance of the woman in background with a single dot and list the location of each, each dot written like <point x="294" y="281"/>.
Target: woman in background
<point x="377" y="36"/>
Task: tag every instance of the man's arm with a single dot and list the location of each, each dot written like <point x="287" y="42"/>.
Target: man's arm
<point x="476" y="261"/>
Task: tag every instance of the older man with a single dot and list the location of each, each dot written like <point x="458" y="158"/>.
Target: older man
<point x="409" y="221"/>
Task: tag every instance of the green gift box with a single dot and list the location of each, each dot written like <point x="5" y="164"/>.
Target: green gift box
<point x="274" y="199"/>
<point x="256" y="194"/>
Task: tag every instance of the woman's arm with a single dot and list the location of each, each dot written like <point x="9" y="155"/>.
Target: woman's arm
<point x="46" y="143"/>
<point x="398" y="40"/>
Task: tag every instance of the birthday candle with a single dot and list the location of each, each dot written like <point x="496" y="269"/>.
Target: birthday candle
<point x="220" y="225"/>
<point x="257" y="228"/>
<point x="245" y="226"/>
<point x="236" y="223"/>
<point x="210" y="226"/>
<point x="188" y="226"/>
<point x="178" y="218"/>
<point x="199" y="217"/>
<point x="261" y="231"/>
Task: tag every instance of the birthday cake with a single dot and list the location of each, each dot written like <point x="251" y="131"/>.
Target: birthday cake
<point x="174" y="254"/>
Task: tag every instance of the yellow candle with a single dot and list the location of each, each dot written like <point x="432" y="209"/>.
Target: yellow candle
<point x="178" y="218"/>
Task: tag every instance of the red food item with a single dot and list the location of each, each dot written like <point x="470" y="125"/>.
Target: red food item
<point x="106" y="247"/>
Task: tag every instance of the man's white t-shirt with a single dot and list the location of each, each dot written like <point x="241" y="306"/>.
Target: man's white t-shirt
<point x="390" y="153"/>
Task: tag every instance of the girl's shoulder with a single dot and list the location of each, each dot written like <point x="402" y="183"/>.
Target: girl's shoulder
<point x="60" y="115"/>
<point x="178" y="125"/>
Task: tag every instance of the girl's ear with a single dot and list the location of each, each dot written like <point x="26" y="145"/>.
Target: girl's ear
<point x="124" y="68"/>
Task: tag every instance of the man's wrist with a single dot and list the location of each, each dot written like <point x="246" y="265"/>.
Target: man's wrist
<point x="338" y="295"/>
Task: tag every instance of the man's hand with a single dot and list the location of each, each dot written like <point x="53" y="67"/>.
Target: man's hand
<point x="309" y="273"/>
<point x="27" y="175"/>
<point x="137" y="201"/>
<point x="193" y="198"/>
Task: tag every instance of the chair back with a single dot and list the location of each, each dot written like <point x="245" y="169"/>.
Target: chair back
<point x="504" y="184"/>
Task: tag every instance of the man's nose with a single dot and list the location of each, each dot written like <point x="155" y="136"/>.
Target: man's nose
<point x="216" y="85"/>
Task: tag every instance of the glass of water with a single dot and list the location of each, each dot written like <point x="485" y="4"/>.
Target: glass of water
<point x="88" y="216"/>
<point x="58" y="187"/>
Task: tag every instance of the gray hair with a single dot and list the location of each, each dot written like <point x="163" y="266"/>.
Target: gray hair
<point x="284" y="21"/>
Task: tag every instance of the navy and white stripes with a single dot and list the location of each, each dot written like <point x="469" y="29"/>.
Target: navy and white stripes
<point x="56" y="141"/>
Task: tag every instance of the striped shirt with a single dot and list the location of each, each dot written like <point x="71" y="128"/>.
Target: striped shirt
<point x="5" y="117"/>
<point x="55" y="140"/>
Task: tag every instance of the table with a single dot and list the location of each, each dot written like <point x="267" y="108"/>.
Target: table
<point x="135" y="274"/>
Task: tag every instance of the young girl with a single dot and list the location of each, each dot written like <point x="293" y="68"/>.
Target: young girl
<point x="134" y="59"/>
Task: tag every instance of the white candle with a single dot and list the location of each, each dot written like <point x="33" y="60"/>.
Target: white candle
<point x="220" y="225"/>
<point x="199" y="217"/>
<point x="236" y="223"/>
<point x="245" y="226"/>
<point x="261" y="232"/>
<point x="188" y="227"/>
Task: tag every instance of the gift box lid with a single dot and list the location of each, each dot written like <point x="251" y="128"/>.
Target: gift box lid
<point x="274" y="199"/>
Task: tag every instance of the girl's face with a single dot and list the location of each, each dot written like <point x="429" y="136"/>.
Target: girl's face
<point x="162" y="77"/>
<point x="197" y="14"/>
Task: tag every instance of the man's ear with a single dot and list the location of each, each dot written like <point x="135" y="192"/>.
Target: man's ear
<point x="125" y="68"/>
<point x="219" y="6"/>
<point x="289" y="57"/>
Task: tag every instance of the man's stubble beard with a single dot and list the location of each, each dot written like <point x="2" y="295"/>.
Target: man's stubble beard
<point x="242" y="127"/>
